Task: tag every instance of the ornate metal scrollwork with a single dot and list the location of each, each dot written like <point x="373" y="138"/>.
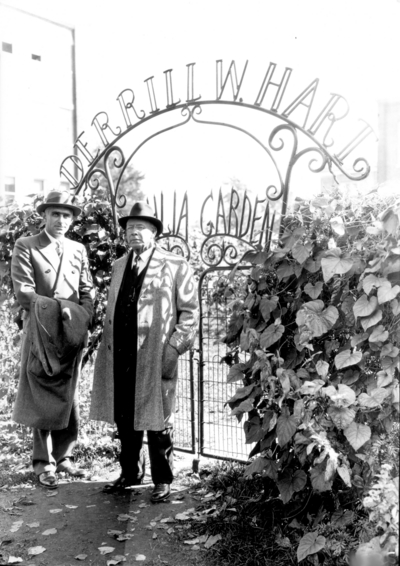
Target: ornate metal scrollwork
<point x="175" y="244"/>
<point x="226" y="250"/>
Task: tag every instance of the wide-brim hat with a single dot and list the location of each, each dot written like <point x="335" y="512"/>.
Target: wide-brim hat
<point x="141" y="210"/>
<point x="60" y="199"/>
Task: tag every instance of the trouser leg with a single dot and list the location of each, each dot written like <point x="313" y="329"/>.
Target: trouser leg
<point x="64" y="440"/>
<point x="51" y="447"/>
<point x="132" y="457"/>
<point x="161" y="452"/>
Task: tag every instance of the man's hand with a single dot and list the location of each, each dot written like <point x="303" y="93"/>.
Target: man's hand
<point x="66" y="313"/>
<point x="169" y="362"/>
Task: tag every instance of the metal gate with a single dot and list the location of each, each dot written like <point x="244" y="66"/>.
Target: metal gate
<point x="203" y="423"/>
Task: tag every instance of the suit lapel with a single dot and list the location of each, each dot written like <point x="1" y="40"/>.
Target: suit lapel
<point x="119" y="269"/>
<point x="48" y="251"/>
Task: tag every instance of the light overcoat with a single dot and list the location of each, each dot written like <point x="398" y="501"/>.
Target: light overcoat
<point x="36" y="270"/>
<point x="167" y="313"/>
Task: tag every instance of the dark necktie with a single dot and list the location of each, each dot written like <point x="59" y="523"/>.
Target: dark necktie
<point x="59" y="248"/>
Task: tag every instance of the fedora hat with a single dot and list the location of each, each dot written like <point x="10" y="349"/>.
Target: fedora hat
<point x="60" y="199"/>
<point x="141" y="210"/>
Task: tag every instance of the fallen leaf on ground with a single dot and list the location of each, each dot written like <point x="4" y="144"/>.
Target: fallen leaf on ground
<point x="154" y="536"/>
<point x="117" y="559"/>
<point x="15" y="526"/>
<point x="71" y="506"/>
<point x="90" y="506"/>
<point x="176" y="502"/>
<point x="55" y="510"/>
<point x="143" y="505"/>
<point x="195" y="547"/>
<point x="14" y="559"/>
<point x="49" y="532"/>
<point x="213" y="539"/>
<point x="196" y="540"/>
<point x="113" y="532"/>
<point x="180" y="497"/>
<point x="140" y="557"/>
<point x="123" y="517"/>
<point x="158" y="518"/>
<point x="126" y="536"/>
<point x="32" y="525"/>
<point x="34" y="550"/>
<point x="171" y="530"/>
<point x="106" y="550"/>
<point x="52" y="494"/>
<point x="168" y="520"/>
<point x="182" y="516"/>
<point x="80" y="556"/>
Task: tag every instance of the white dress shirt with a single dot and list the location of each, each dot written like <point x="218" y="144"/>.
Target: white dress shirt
<point x="57" y="243"/>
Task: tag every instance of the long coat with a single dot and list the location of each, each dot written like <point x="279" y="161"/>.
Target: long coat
<point x="46" y="404"/>
<point x="167" y="313"/>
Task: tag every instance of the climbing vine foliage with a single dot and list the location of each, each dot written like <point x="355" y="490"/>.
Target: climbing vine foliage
<point x="319" y="324"/>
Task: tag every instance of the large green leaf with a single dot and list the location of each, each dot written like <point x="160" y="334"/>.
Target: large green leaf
<point x="357" y="434"/>
<point x="316" y="318"/>
<point x="256" y="467"/>
<point x="285" y="428"/>
<point x="301" y="252"/>
<point x="371" y="281"/>
<point x="235" y="373"/>
<point x="347" y="358"/>
<point x="365" y="306"/>
<point x="387" y="293"/>
<point x="285" y="270"/>
<point x="318" y="481"/>
<point x="242" y="393"/>
<point x="271" y="335"/>
<point x="290" y="482"/>
<point x="344" y="396"/>
<point x="379" y="334"/>
<point x="374" y="399"/>
<point x="252" y="429"/>
<point x="310" y="544"/>
<point x="314" y="291"/>
<point x="334" y="264"/>
<point x="267" y="305"/>
<point x="342" y="417"/>
<point x="371" y="320"/>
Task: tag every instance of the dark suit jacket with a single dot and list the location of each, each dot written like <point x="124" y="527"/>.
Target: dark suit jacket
<point x="34" y="271"/>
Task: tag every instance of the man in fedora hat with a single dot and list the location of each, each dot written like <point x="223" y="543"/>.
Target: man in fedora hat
<point x="51" y="272"/>
<point x="151" y="319"/>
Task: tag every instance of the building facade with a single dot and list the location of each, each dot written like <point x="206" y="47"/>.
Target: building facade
<point x="37" y="103"/>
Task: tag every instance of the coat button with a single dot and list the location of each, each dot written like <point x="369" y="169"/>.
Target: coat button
<point x="44" y="306"/>
<point x="110" y="322"/>
<point x="109" y="347"/>
<point x="47" y="271"/>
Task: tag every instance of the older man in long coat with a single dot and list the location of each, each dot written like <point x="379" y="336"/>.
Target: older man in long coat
<point x="52" y="283"/>
<point x="151" y="319"/>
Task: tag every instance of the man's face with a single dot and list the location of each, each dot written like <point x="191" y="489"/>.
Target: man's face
<point x="58" y="220"/>
<point x="140" y="234"/>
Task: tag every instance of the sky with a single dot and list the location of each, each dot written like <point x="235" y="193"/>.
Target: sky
<point x="351" y="46"/>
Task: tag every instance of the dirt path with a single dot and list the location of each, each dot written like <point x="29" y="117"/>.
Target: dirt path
<point x="75" y="521"/>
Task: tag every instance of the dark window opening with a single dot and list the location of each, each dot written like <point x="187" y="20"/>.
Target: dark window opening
<point x="36" y="57"/>
<point x="7" y="47"/>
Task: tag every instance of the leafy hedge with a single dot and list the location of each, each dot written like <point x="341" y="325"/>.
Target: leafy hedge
<point x="320" y="327"/>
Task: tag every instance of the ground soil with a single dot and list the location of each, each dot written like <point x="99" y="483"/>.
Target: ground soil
<point x="82" y="516"/>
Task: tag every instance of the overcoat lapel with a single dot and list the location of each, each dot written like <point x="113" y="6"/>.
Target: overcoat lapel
<point x="156" y="265"/>
<point x="48" y="251"/>
<point x="119" y="271"/>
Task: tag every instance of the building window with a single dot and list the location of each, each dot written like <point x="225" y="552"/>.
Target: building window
<point x="9" y="190"/>
<point x="36" y="57"/>
<point x="38" y="186"/>
<point x="7" y="47"/>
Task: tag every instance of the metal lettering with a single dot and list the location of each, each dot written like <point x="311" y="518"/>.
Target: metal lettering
<point x="255" y="218"/>
<point x="102" y="127"/>
<point x="170" y="94"/>
<point x="72" y="178"/>
<point x="232" y="209"/>
<point x="184" y="215"/>
<point x="82" y="147"/>
<point x="268" y="82"/>
<point x="245" y="200"/>
<point x="190" y="83"/>
<point x="264" y="225"/>
<point x="210" y="196"/>
<point x="236" y="86"/>
<point x="161" y="215"/>
<point x="310" y="90"/>
<point x="152" y="96"/>
<point x="351" y="146"/>
<point x="220" y="205"/>
<point x="128" y="105"/>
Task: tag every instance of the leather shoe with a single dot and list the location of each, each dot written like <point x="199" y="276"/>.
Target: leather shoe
<point x="70" y="469"/>
<point x="48" y="480"/>
<point x="161" y="491"/>
<point x="120" y="484"/>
